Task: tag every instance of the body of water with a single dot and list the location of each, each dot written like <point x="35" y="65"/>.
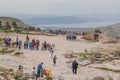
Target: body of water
<point x="75" y="27"/>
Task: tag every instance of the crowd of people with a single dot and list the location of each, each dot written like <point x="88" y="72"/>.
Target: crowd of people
<point x="62" y="32"/>
<point x="34" y="44"/>
<point x="71" y="37"/>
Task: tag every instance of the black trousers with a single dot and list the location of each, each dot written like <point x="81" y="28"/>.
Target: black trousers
<point x="54" y="62"/>
<point x="74" y="70"/>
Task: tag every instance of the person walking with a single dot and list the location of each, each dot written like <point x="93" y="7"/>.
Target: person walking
<point x="51" y="51"/>
<point x="54" y="60"/>
<point x="74" y="67"/>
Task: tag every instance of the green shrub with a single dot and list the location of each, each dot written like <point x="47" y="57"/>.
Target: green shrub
<point x="5" y="51"/>
<point x="107" y="69"/>
<point x="116" y="54"/>
<point x="18" y="31"/>
<point x="110" y="78"/>
<point x="18" y="53"/>
<point x="3" y="69"/>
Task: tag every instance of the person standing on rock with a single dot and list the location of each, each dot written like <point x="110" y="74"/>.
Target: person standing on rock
<point x="74" y="67"/>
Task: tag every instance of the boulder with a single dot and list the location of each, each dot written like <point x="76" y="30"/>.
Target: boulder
<point x="18" y="73"/>
<point x="68" y="55"/>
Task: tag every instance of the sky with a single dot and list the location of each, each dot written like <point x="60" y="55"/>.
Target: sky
<point x="60" y="7"/>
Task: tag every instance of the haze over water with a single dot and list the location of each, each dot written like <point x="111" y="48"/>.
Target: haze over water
<point x="76" y="26"/>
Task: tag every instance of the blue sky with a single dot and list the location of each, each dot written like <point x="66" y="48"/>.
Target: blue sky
<point x="60" y="7"/>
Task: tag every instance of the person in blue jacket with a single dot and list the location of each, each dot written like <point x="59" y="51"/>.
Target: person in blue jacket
<point x="39" y="69"/>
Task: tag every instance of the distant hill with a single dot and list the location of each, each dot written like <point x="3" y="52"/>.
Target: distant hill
<point x="113" y="30"/>
<point x="10" y="20"/>
<point x="52" y="20"/>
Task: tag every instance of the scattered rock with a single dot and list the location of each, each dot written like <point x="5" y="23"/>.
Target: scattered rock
<point x="18" y="73"/>
<point x="85" y="63"/>
<point x="98" y="55"/>
<point x="60" y="78"/>
<point x="70" y="56"/>
<point x="98" y="78"/>
<point x="109" y="41"/>
<point x="70" y="61"/>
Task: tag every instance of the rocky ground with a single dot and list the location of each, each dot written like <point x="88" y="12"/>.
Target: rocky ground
<point x="99" y="59"/>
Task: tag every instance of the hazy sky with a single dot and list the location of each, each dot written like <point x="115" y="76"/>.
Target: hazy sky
<point x="60" y="7"/>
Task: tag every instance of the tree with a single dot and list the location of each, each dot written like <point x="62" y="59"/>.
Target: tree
<point x="32" y="28"/>
<point x="26" y="29"/>
<point x="14" y="25"/>
<point x="38" y="29"/>
<point x="117" y="38"/>
<point x="7" y="25"/>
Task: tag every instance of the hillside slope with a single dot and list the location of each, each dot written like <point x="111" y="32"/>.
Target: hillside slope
<point x="112" y="31"/>
<point x="10" y="20"/>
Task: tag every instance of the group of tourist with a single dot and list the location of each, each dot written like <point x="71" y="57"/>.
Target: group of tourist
<point x="10" y="43"/>
<point x="84" y="33"/>
<point x="47" y="46"/>
<point x="7" y="41"/>
<point x="34" y="44"/>
<point x="62" y="32"/>
<point x="39" y="72"/>
<point x="71" y="37"/>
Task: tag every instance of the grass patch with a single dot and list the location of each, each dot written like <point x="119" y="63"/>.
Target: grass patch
<point x="5" y="51"/>
<point x="86" y="55"/>
<point x="116" y="53"/>
<point x="108" y="69"/>
<point x="18" y="53"/>
<point x="20" y="78"/>
<point x="82" y="59"/>
<point x="3" y="69"/>
<point x="110" y="78"/>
